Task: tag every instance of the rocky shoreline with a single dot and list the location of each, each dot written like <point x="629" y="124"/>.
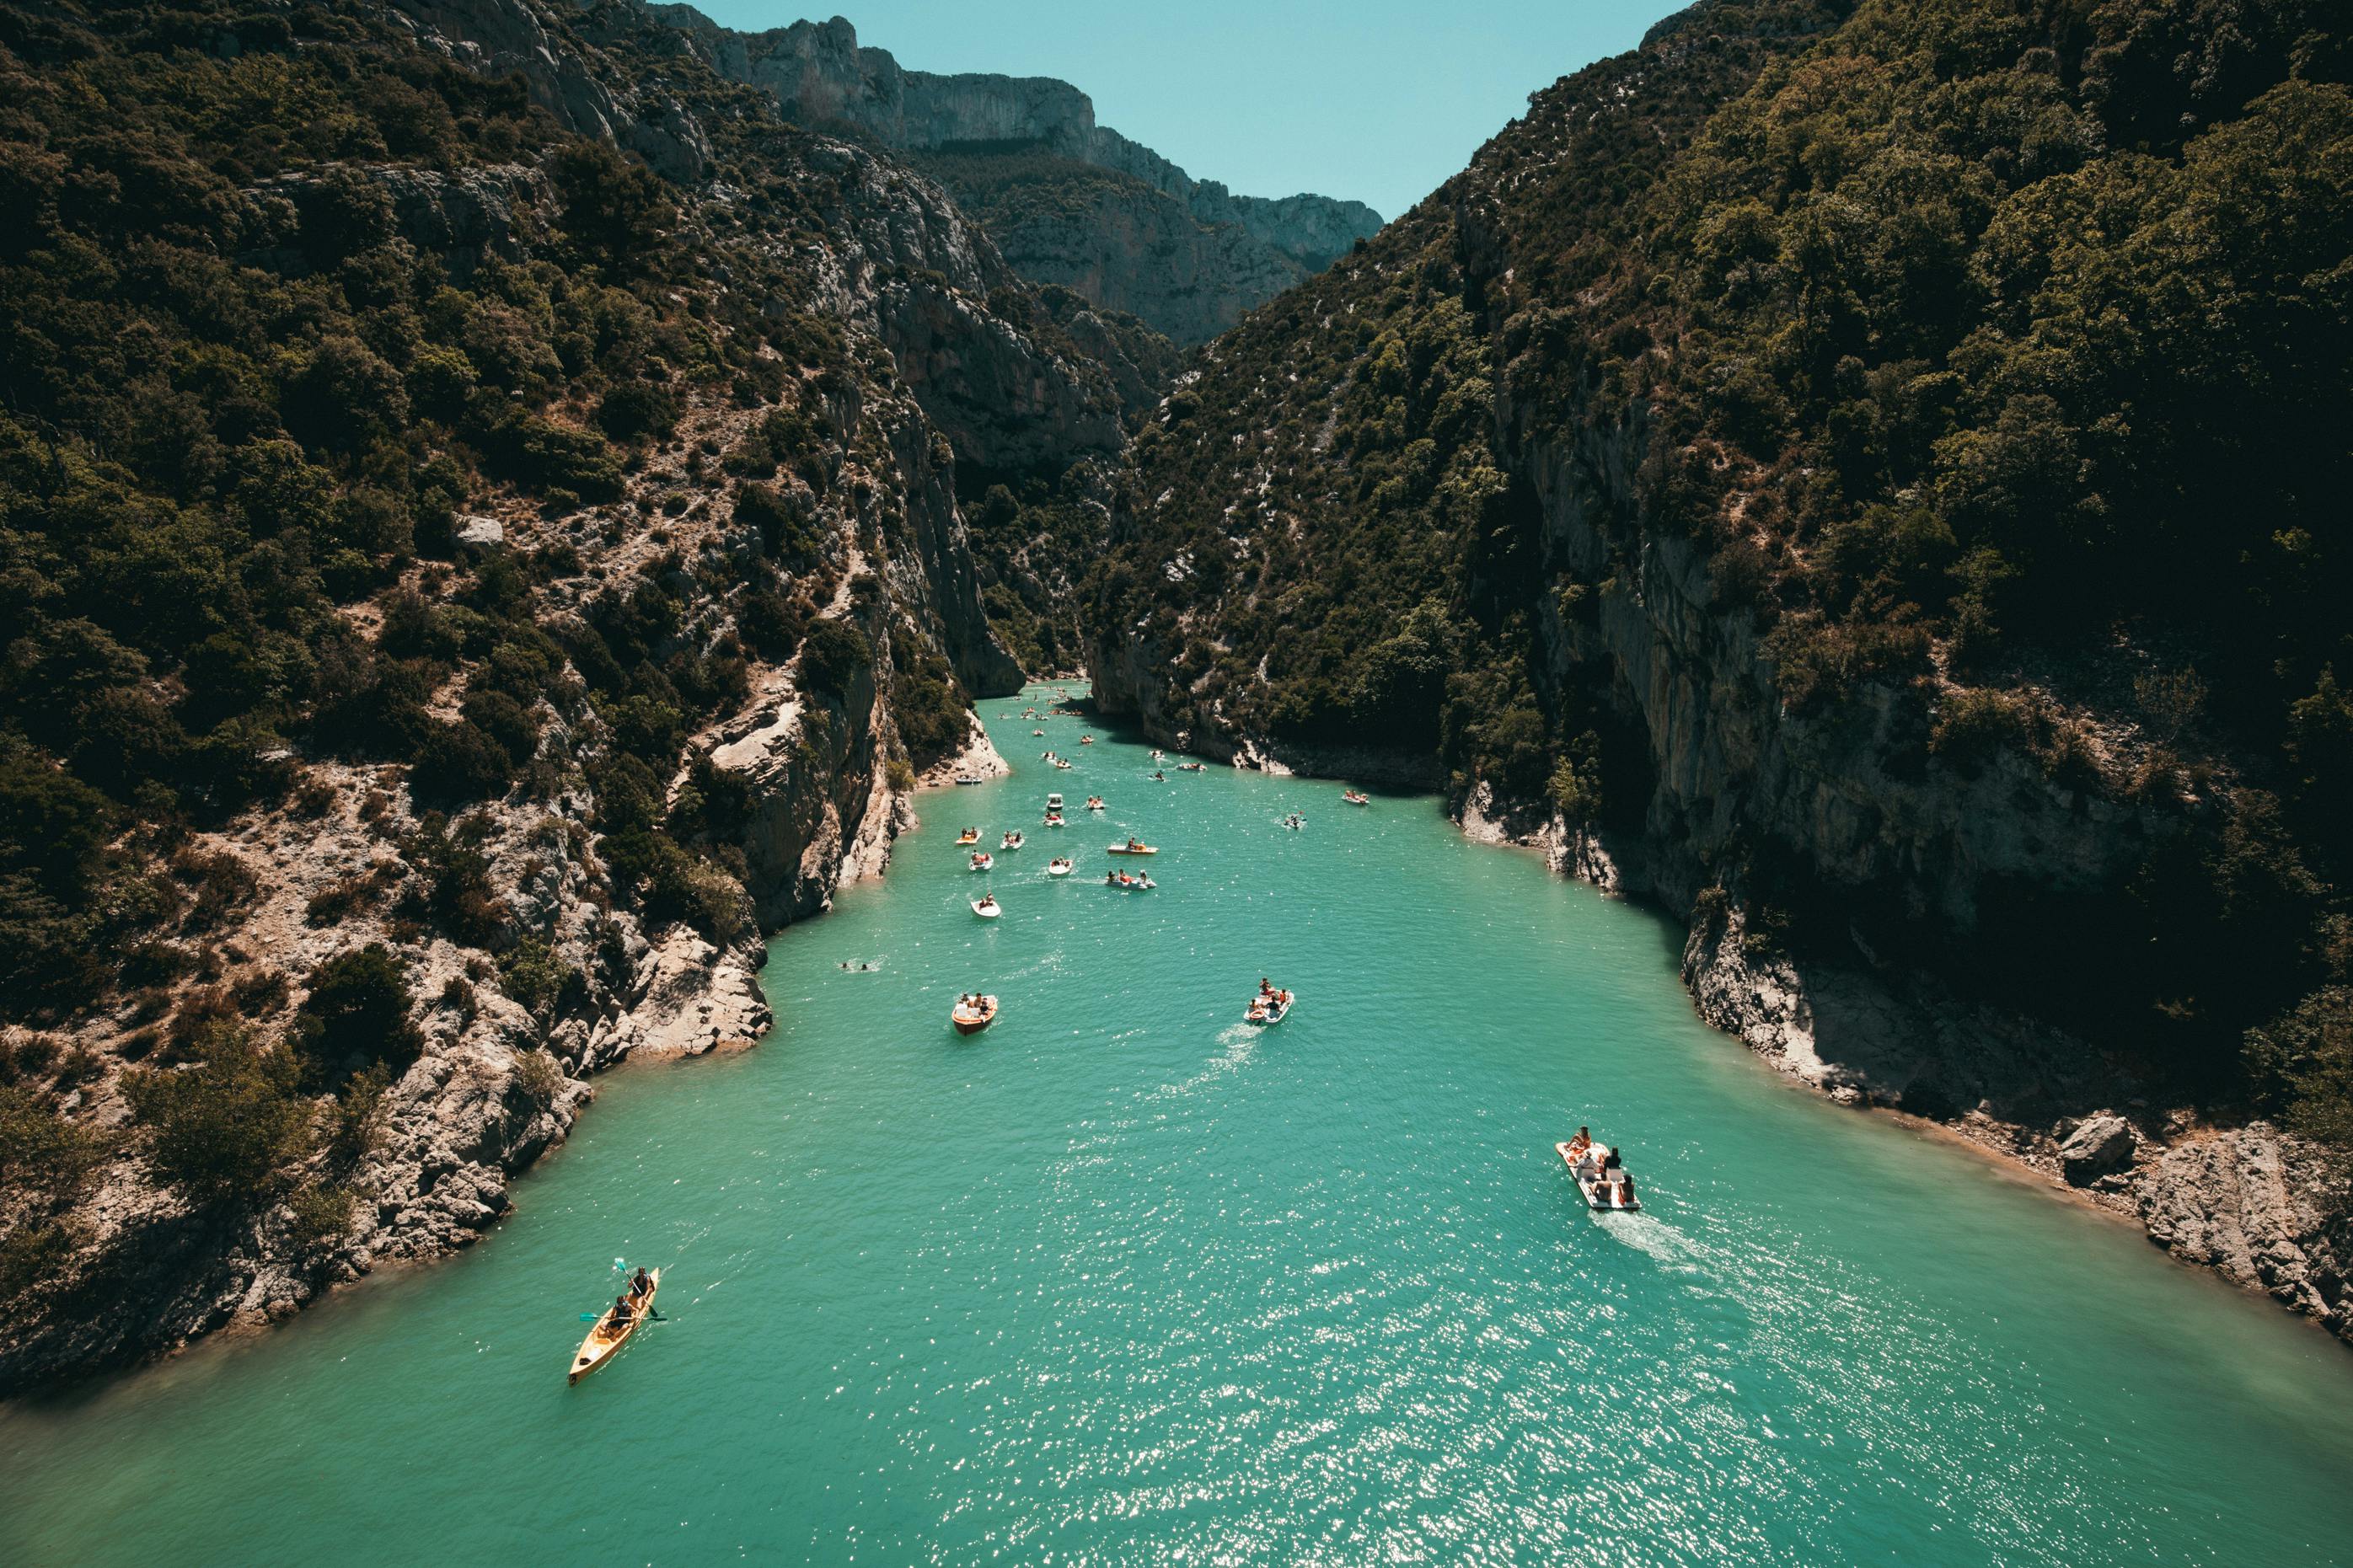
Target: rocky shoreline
<point x="2264" y="1209"/>
<point x="2260" y="1207"/>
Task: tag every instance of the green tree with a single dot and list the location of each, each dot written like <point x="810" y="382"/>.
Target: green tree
<point x="356" y="1013"/>
<point x="232" y="1129"/>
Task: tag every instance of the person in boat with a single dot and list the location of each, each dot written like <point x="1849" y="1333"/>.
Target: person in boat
<point x="1579" y="1144"/>
<point x="623" y="1314"/>
<point x="1625" y="1189"/>
<point x="640" y="1284"/>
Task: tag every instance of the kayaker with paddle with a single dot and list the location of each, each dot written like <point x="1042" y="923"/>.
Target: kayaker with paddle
<point x="639" y="1284"/>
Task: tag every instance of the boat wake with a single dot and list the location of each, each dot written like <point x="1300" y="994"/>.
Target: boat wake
<point x="1649" y="1234"/>
<point x="1239" y="1040"/>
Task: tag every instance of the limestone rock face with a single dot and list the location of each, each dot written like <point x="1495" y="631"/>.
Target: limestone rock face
<point x="2264" y="1209"/>
<point x="2099" y="1146"/>
<point x="1734" y="763"/>
<point x="1132" y="247"/>
<point x="903" y="259"/>
<point x="501" y="38"/>
<point x="1186" y="255"/>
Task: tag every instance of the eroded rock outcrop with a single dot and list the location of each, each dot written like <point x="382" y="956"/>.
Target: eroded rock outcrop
<point x="502" y="38"/>
<point x="2264" y="1210"/>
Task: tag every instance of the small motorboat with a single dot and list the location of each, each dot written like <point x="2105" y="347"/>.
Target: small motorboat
<point x="1094" y="802"/>
<point x="1013" y="840"/>
<point x="1157" y="755"/>
<point x="969" y="836"/>
<point x="606" y="1339"/>
<point x="1294" y="821"/>
<point x="1055" y="803"/>
<point x="986" y="907"/>
<point x="1061" y="763"/>
<point x="1086" y="739"/>
<point x="1268" y="1007"/>
<point x="1131" y="846"/>
<point x="971" y="1015"/>
<point x="1038" y="732"/>
<point x="1058" y="867"/>
<point x="1601" y="1190"/>
<point x="1353" y="798"/>
<point x="1055" y="820"/>
<point x="982" y="860"/>
<point x="1190" y="767"/>
<point x="967" y="779"/>
<point x="1127" y="884"/>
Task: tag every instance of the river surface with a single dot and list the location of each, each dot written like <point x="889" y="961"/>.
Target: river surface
<point x="1120" y="1280"/>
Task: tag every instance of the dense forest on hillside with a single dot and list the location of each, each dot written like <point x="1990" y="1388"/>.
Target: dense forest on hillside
<point x="237" y="399"/>
<point x="1325" y="501"/>
<point x="346" y="478"/>
<point x="1997" y="356"/>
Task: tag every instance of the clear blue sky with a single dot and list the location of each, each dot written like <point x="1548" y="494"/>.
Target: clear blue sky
<point x="1376" y="99"/>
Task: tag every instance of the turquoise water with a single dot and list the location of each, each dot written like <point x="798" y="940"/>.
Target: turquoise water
<point x="1120" y="1281"/>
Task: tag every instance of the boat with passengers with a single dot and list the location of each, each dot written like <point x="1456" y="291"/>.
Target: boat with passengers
<point x="1271" y="1006"/>
<point x="1601" y="1175"/>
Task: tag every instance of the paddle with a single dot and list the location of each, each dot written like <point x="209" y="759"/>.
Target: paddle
<point x="622" y="1268"/>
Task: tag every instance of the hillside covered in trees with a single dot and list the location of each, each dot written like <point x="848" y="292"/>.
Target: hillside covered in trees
<point x="1883" y="462"/>
<point x="469" y="561"/>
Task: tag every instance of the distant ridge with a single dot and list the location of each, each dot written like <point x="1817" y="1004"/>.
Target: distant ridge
<point x="1068" y="201"/>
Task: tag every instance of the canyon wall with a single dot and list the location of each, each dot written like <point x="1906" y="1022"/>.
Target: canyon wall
<point x="795" y="507"/>
<point x="1433" y="471"/>
<point x="1186" y="255"/>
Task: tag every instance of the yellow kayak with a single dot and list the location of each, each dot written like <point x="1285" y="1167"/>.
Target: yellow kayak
<point x="605" y="1338"/>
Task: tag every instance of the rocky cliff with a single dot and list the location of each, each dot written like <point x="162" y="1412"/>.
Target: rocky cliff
<point x="1439" y="503"/>
<point x="1068" y="201"/>
<point x="714" y="567"/>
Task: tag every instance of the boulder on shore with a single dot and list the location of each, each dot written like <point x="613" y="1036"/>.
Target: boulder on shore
<point x="2099" y="1146"/>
